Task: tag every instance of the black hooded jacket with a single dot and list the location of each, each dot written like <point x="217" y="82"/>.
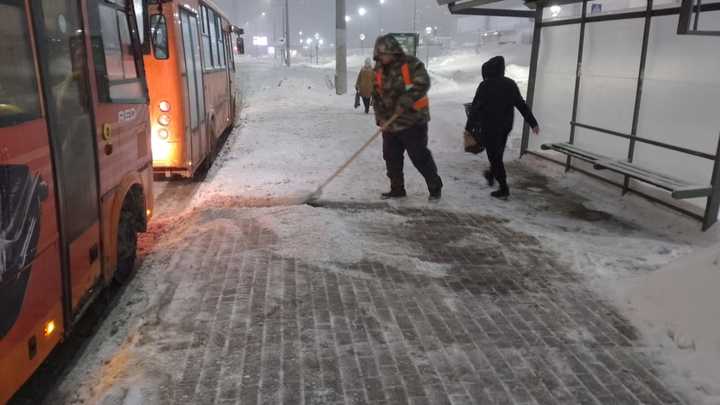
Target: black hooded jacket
<point x="495" y="98"/>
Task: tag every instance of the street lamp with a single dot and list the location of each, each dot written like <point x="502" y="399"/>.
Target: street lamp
<point x="362" y="11"/>
<point x="348" y="18"/>
<point x="362" y="44"/>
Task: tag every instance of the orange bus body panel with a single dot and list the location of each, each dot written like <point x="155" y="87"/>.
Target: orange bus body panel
<point x="41" y="301"/>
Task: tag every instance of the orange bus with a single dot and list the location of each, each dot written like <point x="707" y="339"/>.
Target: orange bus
<point x="75" y="167"/>
<point x="190" y="70"/>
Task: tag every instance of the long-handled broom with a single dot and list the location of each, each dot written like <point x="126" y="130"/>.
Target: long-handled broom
<point x="316" y="195"/>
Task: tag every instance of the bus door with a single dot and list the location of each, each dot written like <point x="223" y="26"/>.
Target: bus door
<point x="194" y="89"/>
<point x="63" y="62"/>
<point x="230" y="68"/>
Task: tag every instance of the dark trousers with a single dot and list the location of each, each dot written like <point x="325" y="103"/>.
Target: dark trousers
<point x="366" y="102"/>
<point x="413" y="140"/>
<point x="495" y="147"/>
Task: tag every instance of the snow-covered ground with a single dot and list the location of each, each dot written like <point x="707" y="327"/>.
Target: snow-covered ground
<point x="658" y="267"/>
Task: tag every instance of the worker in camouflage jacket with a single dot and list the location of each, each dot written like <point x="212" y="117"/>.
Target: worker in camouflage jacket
<point x="401" y="86"/>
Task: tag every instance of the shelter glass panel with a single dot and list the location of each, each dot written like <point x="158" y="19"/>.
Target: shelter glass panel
<point x="681" y="85"/>
<point x="555" y="83"/>
<point x="611" y="63"/>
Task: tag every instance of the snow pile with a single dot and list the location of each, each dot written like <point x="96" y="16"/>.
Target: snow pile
<point x="679" y="309"/>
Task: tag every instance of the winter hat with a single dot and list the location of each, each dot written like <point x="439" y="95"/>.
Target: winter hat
<point x="387" y="44"/>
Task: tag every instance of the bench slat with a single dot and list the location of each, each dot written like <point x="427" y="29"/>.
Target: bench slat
<point x="680" y="189"/>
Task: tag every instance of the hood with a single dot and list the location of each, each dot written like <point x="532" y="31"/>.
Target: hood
<point x="493" y="68"/>
<point x="387" y="44"/>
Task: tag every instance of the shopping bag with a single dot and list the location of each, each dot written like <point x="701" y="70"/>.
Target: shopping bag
<point x="357" y="99"/>
<point x="473" y="142"/>
<point x="472" y="139"/>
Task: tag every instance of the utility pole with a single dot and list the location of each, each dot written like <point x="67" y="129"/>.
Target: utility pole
<point x="414" y="15"/>
<point x="340" y="48"/>
<point x="287" y="33"/>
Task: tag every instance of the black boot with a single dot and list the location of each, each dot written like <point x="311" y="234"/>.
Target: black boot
<point x="435" y="190"/>
<point x="503" y="192"/>
<point x="489" y="178"/>
<point x="397" y="189"/>
<point x="394" y="193"/>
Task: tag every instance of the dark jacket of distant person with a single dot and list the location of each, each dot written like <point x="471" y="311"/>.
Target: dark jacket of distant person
<point x="495" y="100"/>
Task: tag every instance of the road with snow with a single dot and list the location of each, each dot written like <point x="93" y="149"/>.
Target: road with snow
<point x="245" y="296"/>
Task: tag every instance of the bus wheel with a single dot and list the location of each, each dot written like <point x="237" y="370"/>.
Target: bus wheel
<point x="127" y="247"/>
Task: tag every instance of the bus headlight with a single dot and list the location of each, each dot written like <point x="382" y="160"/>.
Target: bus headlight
<point x="164" y="106"/>
<point x="163" y="134"/>
<point x="164" y="120"/>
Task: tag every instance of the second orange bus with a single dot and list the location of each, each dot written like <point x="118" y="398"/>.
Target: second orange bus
<point x="190" y="73"/>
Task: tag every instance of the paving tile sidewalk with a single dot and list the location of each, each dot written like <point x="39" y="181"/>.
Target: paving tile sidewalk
<point x="497" y="321"/>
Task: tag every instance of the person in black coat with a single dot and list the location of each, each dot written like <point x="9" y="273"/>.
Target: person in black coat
<point x="493" y="113"/>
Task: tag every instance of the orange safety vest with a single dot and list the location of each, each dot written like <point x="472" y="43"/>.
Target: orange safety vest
<point x="421" y="104"/>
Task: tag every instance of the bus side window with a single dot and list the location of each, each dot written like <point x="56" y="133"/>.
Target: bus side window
<point x="19" y="101"/>
<point x="115" y="61"/>
<point x="139" y="12"/>
<point x="159" y="36"/>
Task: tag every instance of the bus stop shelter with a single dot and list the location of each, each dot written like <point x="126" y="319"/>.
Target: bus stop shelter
<point x="626" y="91"/>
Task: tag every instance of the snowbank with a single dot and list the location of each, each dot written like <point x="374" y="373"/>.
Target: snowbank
<point x="678" y="307"/>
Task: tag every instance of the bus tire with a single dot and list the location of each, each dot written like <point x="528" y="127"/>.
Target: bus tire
<point x="131" y="222"/>
<point x="127" y="247"/>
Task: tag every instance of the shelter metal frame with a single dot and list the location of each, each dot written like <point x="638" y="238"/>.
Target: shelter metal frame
<point x="688" y="11"/>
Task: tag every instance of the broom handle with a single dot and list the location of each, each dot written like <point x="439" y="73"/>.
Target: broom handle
<point x="346" y="164"/>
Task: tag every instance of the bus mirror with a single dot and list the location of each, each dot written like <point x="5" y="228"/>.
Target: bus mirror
<point x="158" y="35"/>
<point x="240" y="31"/>
<point x="241" y="46"/>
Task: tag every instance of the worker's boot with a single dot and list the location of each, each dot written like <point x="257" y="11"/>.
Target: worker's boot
<point x="397" y="190"/>
<point x="394" y="194"/>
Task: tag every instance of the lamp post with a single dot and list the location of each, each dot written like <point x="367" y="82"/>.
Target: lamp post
<point x="414" y="15"/>
<point x="287" y="33"/>
<point x="362" y="11"/>
<point x="341" y="20"/>
<point x="317" y="50"/>
<point x="309" y="42"/>
<point x="380" y="13"/>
